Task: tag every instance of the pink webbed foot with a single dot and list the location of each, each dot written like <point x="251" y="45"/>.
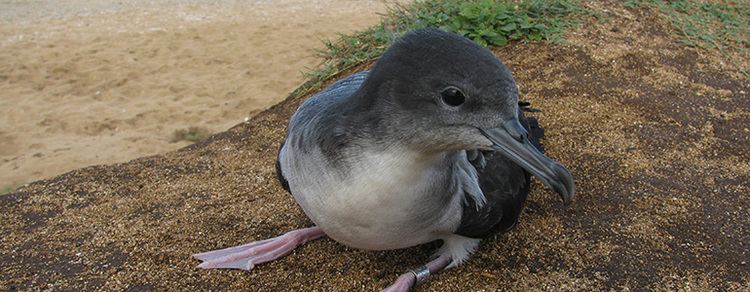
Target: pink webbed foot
<point x="407" y="280"/>
<point x="245" y="257"/>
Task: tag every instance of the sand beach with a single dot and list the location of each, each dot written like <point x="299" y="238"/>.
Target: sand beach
<point x="87" y="82"/>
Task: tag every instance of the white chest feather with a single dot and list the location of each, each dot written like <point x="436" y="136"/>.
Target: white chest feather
<point x="385" y="200"/>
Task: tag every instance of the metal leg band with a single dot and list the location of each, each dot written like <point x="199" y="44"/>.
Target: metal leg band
<point x="421" y="273"/>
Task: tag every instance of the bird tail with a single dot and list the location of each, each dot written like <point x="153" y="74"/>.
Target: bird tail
<point x="536" y="132"/>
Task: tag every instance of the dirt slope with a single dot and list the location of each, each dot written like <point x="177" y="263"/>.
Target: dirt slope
<point x="655" y="133"/>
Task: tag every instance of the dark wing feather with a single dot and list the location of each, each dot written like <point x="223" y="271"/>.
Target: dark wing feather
<point x="279" y="174"/>
<point x="505" y="186"/>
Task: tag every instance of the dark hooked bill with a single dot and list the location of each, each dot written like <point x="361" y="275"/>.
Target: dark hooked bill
<point x="511" y="139"/>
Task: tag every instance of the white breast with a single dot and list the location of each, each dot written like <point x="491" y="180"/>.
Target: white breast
<point x="381" y="201"/>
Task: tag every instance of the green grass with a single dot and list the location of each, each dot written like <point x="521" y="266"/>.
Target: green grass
<point x="6" y="190"/>
<point x="487" y="22"/>
<point x="498" y="22"/>
<point x="192" y="134"/>
<point x="719" y="25"/>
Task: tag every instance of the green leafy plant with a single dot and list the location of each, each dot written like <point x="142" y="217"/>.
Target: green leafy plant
<point x="6" y="190"/>
<point x="487" y="22"/>
<point x="192" y="134"/>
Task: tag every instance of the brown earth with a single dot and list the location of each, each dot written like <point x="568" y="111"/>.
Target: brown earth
<point x="655" y="133"/>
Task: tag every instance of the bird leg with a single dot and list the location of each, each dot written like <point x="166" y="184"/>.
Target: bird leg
<point x="409" y="279"/>
<point x="245" y="257"/>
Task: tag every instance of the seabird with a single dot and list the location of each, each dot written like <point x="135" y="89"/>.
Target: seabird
<point x="431" y="144"/>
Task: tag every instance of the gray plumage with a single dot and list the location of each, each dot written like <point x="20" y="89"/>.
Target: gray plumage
<point x="431" y="144"/>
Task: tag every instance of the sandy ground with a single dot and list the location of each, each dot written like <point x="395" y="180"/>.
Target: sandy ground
<point x="86" y="82"/>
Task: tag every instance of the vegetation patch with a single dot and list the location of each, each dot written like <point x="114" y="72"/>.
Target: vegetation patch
<point x="487" y="22"/>
<point x="719" y="25"/>
<point x="6" y="190"/>
<point x="192" y="134"/>
<point x="714" y="25"/>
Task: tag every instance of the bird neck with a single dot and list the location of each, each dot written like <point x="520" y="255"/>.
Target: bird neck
<point x="399" y="163"/>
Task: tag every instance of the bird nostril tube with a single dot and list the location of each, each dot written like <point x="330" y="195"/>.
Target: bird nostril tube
<point x="516" y="130"/>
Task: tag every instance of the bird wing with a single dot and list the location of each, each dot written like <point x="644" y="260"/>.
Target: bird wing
<point x="279" y="173"/>
<point x="505" y="186"/>
<point x="342" y="88"/>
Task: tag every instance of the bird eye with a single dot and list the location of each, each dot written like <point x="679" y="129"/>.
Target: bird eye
<point x="453" y="96"/>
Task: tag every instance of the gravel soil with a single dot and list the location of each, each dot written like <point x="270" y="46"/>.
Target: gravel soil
<point x="655" y="133"/>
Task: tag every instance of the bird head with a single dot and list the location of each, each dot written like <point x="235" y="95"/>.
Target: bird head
<point x="438" y="91"/>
